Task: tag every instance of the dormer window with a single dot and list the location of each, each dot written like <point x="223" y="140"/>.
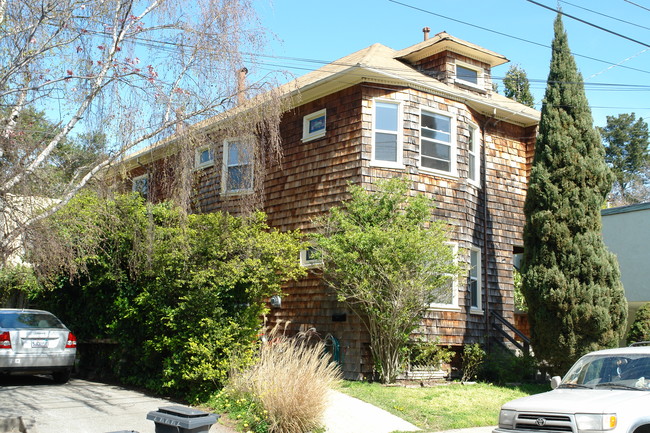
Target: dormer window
<point x="469" y="75"/>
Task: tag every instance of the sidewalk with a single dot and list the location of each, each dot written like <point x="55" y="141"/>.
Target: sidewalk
<point x="347" y="414"/>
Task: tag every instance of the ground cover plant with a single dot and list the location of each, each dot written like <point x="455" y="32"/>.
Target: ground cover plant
<point x="444" y="406"/>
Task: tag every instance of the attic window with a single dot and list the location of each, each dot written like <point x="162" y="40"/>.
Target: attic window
<point x="314" y="125"/>
<point x="469" y="75"/>
<point x="203" y="157"/>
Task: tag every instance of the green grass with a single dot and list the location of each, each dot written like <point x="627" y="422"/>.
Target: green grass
<point x="441" y="407"/>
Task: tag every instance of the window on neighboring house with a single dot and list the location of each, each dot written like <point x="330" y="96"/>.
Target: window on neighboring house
<point x="237" y="167"/>
<point x="310" y="257"/>
<point x="387" y="143"/>
<point x="468" y="74"/>
<point x="448" y="295"/>
<point x="474" y="156"/>
<point x="474" y="280"/>
<point x="314" y="125"/>
<point x="437" y="151"/>
<point x="140" y="185"/>
<point x="203" y="157"/>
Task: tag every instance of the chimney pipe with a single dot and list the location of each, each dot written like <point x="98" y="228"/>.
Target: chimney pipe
<point x="241" y="86"/>
<point x="426" y="31"/>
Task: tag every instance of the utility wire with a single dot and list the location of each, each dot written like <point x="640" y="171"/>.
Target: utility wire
<point x="637" y="5"/>
<point x="605" y="15"/>
<point x="589" y="23"/>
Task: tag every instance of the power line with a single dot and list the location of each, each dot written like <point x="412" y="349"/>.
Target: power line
<point x="589" y="23"/>
<point x="512" y="36"/>
<point x="605" y="15"/>
<point x="637" y="5"/>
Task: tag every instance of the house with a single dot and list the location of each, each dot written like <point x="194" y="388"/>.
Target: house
<point x="626" y="232"/>
<point x="427" y="112"/>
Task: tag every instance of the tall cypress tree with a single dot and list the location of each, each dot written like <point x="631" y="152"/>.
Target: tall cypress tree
<point x="571" y="282"/>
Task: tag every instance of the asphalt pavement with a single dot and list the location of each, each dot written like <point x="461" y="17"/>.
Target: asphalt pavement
<point x="89" y="407"/>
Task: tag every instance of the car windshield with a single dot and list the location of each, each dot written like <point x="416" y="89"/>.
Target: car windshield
<point x="621" y="371"/>
<point x="27" y="320"/>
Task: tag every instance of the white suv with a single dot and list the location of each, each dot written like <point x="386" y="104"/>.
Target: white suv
<point x="604" y="391"/>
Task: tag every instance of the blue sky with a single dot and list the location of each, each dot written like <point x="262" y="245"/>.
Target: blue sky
<point x="310" y="33"/>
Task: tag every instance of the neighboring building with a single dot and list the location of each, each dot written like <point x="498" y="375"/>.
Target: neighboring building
<point x="428" y="113"/>
<point x="626" y="232"/>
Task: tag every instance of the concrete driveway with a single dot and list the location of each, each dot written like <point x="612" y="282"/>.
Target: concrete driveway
<point x="76" y="407"/>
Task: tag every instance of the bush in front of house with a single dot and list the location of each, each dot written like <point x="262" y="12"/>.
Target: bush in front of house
<point x="502" y="366"/>
<point x="286" y="389"/>
<point x="179" y="295"/>
<point x="640" y="329"/>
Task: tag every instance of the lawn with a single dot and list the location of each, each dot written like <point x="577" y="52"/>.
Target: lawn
<point x="444" y="406"/>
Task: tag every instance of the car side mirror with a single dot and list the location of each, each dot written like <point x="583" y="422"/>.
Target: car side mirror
<point x="555" y="381"/>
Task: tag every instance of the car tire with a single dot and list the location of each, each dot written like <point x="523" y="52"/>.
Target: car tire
<point x="61" y="376"/>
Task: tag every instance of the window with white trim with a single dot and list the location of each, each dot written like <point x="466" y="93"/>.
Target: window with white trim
<point x="310" y="257"/>
<point x="387" y="136"/>
<point x="448" y="295"/>
<point x="140" y="184"/>
<point x="237" y="174"/>
<point x="469" y="74"/>
<point x="437" y="147"/>
<point x="314" y="125"/>
<point x="474" y="280"/>
<point x="203" y="157"/>
<point x="474" y="157"/>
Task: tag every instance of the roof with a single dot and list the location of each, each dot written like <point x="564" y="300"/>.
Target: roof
<point x="381" y="64"/>
<point x="625" y="209"/>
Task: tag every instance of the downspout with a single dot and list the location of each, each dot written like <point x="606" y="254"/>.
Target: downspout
<point x="485" y="229"/>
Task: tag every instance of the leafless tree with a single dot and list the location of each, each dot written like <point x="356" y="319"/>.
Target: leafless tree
<point x="135" y="70"/>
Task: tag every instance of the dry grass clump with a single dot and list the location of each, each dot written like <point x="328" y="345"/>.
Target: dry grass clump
<point x="290" y="380"/>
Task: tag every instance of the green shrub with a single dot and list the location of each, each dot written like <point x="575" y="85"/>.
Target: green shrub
<point x="473" y="356"/>
<point x="501" y="366"/>
<point x="428" y="354"/>
<point x="179" y="294"/>
<point x="640" y="329"/>
<point x="286" y="389"/>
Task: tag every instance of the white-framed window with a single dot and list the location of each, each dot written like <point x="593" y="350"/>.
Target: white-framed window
<point x="387" y="133"/>
<point x="474" y="156"/>
<point x="140" y="184"/>
<point x="448" y="295"/>
<point x="310" y="258"/>
<point x="469" y="74"/>
<point x="314" y="125"/>
<point x="203" y="157"/>
<point x="237" y="176"/>
<point x="474" y="281"/>
<point x="437" y="142"/>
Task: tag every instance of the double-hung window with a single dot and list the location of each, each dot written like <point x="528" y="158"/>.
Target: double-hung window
<point x="437" y="149"/>
<point x="237" y="167"/>
<point x="203" y="157"/>
<point x="140" y="185"/>
<point x="474" y="280"/>
<point x="387" y="137"/>
<point x="474" y="159"/>
<point x="448" y="294"/>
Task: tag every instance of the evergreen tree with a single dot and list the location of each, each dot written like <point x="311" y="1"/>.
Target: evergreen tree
<point x="640" y="329"/>
<point x="517" y="86"/>
<point x="571" y="282"/>
<point x="626" y="150"/>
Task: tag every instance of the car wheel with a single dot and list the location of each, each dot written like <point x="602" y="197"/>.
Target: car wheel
<point x="61" y="376"/>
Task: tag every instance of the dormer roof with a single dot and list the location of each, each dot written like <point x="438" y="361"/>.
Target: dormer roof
<point x="443" y="41"/>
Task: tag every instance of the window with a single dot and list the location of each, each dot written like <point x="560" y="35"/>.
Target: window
<point x="474" y="280"/>
<point x="203" y="157"/>
<point x="314" y="125"/>
<point x="436" y="149"/>
<point x="474" y="159"/>
<point x="468" y="74"/>
<point x="387" y="145"/>
<point x="237" y="167"/>
<point x="140" y="184"/>
<point x="310" y="257"/>
<point x="448" y="295"/>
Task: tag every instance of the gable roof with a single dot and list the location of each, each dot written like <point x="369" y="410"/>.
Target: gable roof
<point x="381" y="64"/>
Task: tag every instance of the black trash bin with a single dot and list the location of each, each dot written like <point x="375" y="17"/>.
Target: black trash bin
<point x="181" y="419"/>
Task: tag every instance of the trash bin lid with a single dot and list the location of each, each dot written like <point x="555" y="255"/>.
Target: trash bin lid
<point x="182" y="411"/>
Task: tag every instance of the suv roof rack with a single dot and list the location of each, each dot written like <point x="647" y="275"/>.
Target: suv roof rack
<point x="640" y="343"/>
